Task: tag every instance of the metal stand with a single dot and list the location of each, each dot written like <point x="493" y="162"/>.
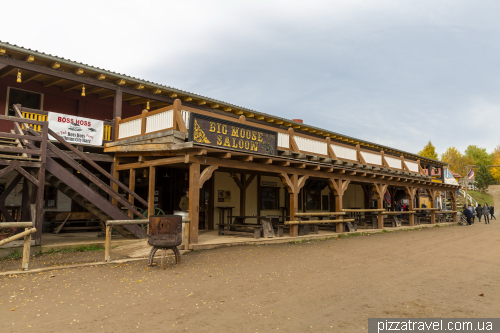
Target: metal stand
<point x="153" y="252"/>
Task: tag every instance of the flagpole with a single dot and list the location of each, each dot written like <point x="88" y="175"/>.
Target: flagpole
<point x="466" y="188"/>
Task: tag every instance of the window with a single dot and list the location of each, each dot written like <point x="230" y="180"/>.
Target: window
<point x="27" y="99"/>
<point x="313" y="200"/>
<point x="269" y="197"/>
<point x="50" y="197"/>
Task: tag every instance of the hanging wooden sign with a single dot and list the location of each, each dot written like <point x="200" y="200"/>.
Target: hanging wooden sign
<point x="222" y="133"/>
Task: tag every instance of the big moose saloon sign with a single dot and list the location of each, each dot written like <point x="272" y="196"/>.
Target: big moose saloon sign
<point x="76" y="129"/>
<point x="222" y="133"/>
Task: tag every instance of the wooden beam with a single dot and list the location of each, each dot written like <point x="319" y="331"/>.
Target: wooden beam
<point x="73" y="86"/>
<point x="159" y="162"/>
<point x="53" y="82"/>
<point x="107" y="95"/>
<point x="32" y="77"/>
<point x="206" y="174"/>
<point x="7" y="71"/>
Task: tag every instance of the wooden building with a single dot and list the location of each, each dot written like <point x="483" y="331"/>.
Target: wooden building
<point x="160" y="142"/>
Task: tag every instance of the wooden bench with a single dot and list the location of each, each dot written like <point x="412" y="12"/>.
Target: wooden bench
<point x="257" y="229"/>
<point x="315" y="224"/>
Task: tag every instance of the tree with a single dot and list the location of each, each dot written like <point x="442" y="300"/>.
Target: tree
<point x="496" y="161"/>
<point x="479" y="155"/>
<point x="429" y="151"/>
<point x="483" y="178"/>
<point x="457" y="161"/>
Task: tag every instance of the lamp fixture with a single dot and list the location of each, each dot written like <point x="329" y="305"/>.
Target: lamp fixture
<point x="147" y="105"/>
<point x="83" y="91"/>
<point x="19" y="76"/>
<point x="145" y="173"/>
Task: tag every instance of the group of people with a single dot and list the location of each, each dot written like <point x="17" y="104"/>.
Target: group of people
<point x="486" y="211"/>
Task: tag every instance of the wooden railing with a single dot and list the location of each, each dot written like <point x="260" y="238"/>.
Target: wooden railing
<point x="26" y="234"/>
<point x="177" y="117"/>
<point x="39" y="115"/>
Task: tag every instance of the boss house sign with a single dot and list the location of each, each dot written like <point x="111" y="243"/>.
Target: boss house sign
<point x="232" y="135"/>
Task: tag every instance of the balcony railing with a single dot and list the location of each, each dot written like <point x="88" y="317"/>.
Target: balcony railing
<point x="170" y="117"/>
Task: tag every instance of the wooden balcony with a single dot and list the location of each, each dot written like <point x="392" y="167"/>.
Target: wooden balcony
<point x="289" y="143"/>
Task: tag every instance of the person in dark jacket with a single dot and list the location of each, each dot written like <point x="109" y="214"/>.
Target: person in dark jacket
<point x="479" y="212"/>
<point x="492" y="212"/>
<point x="468" y="214"/>
<point x="471" y="208"/>
<point x="486" y="213"/>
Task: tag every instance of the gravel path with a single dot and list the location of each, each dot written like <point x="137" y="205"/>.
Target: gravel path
<point x="322" y="286"/>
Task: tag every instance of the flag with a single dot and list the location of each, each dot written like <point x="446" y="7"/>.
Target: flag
<point x="471" y="174"/>
<point x="387" y="197"/>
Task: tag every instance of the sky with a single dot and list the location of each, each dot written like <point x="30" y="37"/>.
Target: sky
<point x="398" y="73"/>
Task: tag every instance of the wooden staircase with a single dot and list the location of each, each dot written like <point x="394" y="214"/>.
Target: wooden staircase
<point x="14" y="146"/>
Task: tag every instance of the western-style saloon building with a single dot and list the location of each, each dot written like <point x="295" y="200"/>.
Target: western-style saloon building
<point x="247" y="172"/>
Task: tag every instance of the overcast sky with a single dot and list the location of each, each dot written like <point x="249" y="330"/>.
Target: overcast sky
<point x="398" y="73"/>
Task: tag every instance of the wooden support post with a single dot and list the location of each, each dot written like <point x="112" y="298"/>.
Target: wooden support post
<point x="143" y="121"/>
<point x="243" y="194"/>
<point x="131" y="186"/>
<point x="26" y="250"/>
<point x="107" y="244"/>
<point x="432" y="204"/>
<point x="454" y="198"/>
<point x="410" y="191"/>
<point x="293" y="185"/>
<point x="380" y="190"/>
<point x="25" y="210"/>
<point x="41" y="184"/>
<point x="117" y="110"/>
<point x="116" y="175"/>
<point x="338" y="187"/>
<point x="151" y="196"/>
<point x="194" y="200"/>
<point x="116" y="128"/>
<point x="380" y="217"/>
<point x="294" y="207"/>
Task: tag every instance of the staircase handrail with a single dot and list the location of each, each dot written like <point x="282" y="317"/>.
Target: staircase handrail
<point x="97" y="167"/>
<point x="105" y="187"/>
<point x="85" y="158"/>
<point x="468" y="197"/>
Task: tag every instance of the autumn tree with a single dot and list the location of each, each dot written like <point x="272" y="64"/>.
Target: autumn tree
<point x="457" y="161"/>
<point x="479" y="155"/>
<point x="495" y="172"/>
<point x="429" y="151"/>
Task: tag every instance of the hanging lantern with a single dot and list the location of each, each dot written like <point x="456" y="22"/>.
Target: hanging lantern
<point x="145" y="173"/>
<point x="19" y="76"/>
<point x="147" y="105"/>
<point x="83" y="91"/>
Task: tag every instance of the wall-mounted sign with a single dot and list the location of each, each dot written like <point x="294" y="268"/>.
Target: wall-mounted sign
<point x="269" y="183"/>
<point x="76" y="129"/>
<point x="223" y="196"/>
<point x="231" y="135"/>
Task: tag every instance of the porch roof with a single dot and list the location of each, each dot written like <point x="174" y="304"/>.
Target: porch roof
<point x="7" y="49"/>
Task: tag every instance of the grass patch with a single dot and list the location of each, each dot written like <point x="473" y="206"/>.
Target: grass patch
<point x="13" y="256"/>
<point x="81" y="248"/>
<point x="481" y="197"/>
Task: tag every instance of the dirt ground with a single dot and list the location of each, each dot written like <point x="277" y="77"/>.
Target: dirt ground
<point x="322" y="286"/>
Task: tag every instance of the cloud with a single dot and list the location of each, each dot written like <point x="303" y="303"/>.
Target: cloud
<point x="396" y="73"/>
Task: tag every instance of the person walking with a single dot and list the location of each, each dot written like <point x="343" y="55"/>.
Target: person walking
<point x="468" y="215"/>
<point x="492" y="212"/>
<point x="486" y="213"/>
<point x="471" y="208"/>
<point x="479" y="211"/>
